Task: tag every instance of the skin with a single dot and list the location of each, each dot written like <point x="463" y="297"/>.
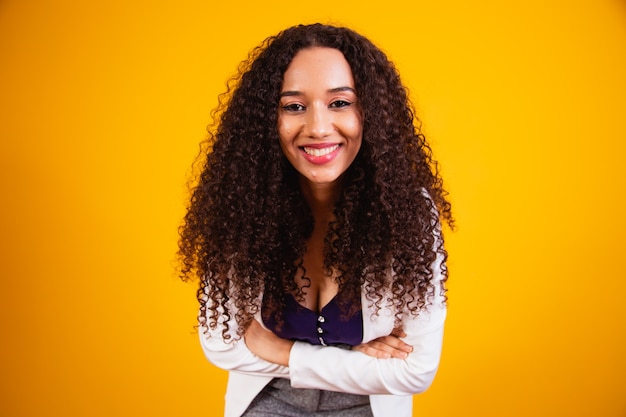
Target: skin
<point x="320" y="128"/>
<point x="319" y="112"/>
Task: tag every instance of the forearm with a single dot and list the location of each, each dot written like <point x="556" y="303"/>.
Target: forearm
<point x="354" y="372"/>
<point x="360" y="371"/>
<point x="266" y="345"/>
<point x="235" y="356"/>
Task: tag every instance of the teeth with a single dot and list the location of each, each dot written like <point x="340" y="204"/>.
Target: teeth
<point x="320" y="152"/>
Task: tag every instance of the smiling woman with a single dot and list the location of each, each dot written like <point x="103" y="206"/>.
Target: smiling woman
<point x="315" y="232"/>
<point x="319" y="121"/>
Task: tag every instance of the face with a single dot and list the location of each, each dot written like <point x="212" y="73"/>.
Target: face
<point x="319" y="117"/>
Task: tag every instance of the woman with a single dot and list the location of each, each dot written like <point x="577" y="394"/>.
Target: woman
<point x="314" y="229"/>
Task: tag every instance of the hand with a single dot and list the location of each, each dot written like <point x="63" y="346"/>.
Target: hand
<point x="387" y="346"/>
<point x="266" y="345"/>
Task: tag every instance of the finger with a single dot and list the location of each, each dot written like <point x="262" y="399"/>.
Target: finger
<point x="395" y="343"/>
<point x="381" y="350"/>
<point x="396" y="351"/>
<point x="372" y="351"/>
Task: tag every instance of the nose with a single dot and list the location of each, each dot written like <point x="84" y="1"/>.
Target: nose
<point x="319" y="122"/>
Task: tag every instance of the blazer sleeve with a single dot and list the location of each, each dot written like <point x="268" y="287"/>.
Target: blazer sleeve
<point x="234" y="355"/>
<point x="336" y="369"/>
<point x="354" y="372"/>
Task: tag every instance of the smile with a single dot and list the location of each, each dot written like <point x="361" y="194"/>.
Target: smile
<point x="320" y="152"/>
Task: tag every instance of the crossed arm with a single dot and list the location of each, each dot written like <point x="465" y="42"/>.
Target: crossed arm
<point x="266" y="345"/>
<point x="400" y="363"/>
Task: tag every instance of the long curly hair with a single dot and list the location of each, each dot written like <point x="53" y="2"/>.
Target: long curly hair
<point x="247" y="222"/>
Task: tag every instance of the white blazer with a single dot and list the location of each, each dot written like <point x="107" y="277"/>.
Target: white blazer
<point x="390" y="383"/>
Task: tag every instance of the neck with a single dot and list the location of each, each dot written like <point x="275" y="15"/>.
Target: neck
<point x="321" y="199"/>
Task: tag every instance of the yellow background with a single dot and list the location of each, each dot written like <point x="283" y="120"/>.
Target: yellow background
<point x="103" y="105"/>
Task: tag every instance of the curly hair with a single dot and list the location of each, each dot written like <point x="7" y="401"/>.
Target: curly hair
<point x="247" y="222"/>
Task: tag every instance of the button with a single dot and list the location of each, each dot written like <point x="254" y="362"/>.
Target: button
<point x="322" y="341"/>
<point x="319" y="330"/>
<point x="321" y="319"/>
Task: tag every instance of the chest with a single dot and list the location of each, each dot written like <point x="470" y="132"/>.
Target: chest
<point x="328" y="327"/>
<point x="318" y="284"/>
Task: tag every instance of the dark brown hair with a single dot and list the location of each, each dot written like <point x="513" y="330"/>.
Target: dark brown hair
<point x="247" y="221"/>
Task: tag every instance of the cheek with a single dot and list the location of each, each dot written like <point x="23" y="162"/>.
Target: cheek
<point x="285" y="137"/>
<point x="284" y="130"/>
<point x="354" y="126"/>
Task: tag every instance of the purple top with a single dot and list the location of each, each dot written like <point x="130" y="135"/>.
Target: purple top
<point x="328" y="328"/>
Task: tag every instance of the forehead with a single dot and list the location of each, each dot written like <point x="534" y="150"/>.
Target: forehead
<point x="318" y="67"/>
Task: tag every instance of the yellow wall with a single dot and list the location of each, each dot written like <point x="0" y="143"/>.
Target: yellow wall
<point x="103" y="105"/>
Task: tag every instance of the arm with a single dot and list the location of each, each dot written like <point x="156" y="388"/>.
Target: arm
<point x="354" y="372"/>
<point x="266" y="345"/>
<point x="386" y="347"/>
<point x="375" y="367"/>
<point x="235" y="355"/>
<point x="351" y="371"/>
<point x="264" y="353"/>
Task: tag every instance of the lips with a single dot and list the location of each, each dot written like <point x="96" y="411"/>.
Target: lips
<point x="320" y="153"/>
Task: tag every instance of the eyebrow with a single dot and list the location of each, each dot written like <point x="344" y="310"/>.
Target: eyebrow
<point x="332" y="90"/>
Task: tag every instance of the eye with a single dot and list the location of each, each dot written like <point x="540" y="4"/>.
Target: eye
<point x="294" y="107"/>
<point x="337" y="104"/>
